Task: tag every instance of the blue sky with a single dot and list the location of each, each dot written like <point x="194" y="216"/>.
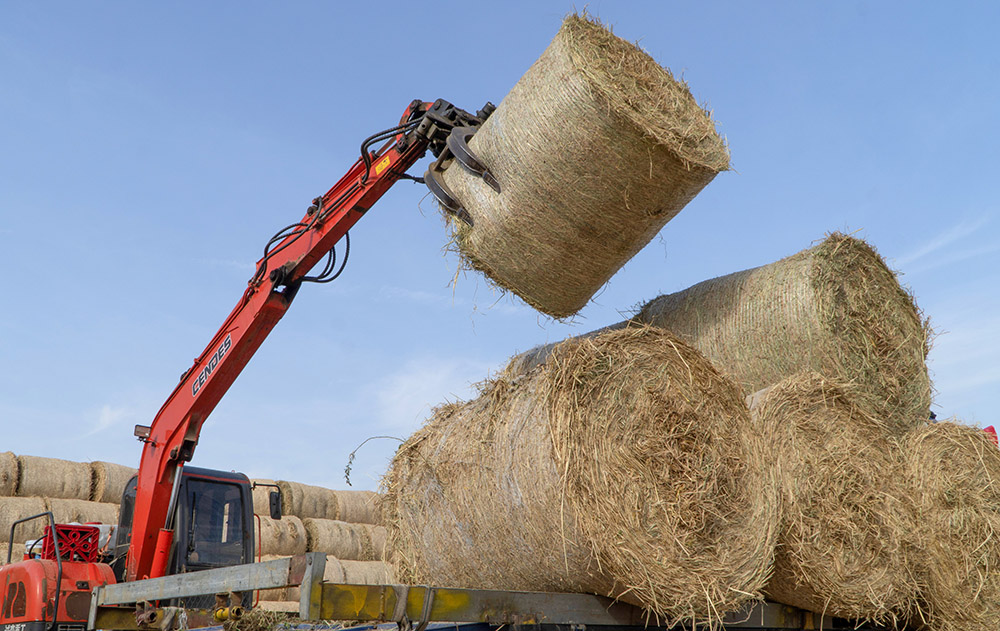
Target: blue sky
<point x="150" y="149"/>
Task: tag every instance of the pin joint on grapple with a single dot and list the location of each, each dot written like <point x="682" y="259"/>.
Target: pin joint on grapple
<point x="451" y="147"/>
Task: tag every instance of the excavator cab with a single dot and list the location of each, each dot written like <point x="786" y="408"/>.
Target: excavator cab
<point x="213" y="526"/>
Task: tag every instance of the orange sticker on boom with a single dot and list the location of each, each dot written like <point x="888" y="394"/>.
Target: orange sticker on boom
<point x="382" y="165"/>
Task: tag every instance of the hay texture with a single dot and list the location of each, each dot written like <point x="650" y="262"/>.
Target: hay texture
<point x="595" y="148"/>
<point x="625" y="465"/>
<point x="834" y="309"/>
<point x="343" y="540"/>
<point x="842" y="549"/>
<point x="262" y="496"/>
<point x="108" y="481"/>
<point x="50" y="477"/>
<point x="14" y="508"/>
<point x="953" y="473"/>
<point x="8" y="474"/>
<point x="81" y="511"/>
<point x="283" y="537"/>
<point x="305" y="500"/>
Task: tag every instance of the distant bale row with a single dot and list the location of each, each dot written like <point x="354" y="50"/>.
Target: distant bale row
<point x="63" y="510"/>
<point x="348" y="541"/>
<point x="34" y="476"/>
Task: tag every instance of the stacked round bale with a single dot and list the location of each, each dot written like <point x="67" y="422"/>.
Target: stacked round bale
<point x="593" y="151"/>
<point x="74" y="492"/>
<point x="625" y="465"/>
<point x="341" y="524"/>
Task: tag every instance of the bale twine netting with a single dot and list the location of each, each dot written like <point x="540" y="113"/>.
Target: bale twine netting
<point x="8" y="474"/>
<point x="15" y="508"/>
<point x="595" y="148"/>
<point x="843" y="543"/>
<point x="953" y="477"/>
<point x="108" y="481"/>
<point x="51" y="477"/>
<point x="66" y="511"/>
<point x="282" y="537"/>
<point x="626" y="466"/>
<point x="343" y="540"/>
<point x="304" y="500"/>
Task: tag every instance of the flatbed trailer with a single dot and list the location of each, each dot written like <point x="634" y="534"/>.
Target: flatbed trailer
<point x="131" y="606"/>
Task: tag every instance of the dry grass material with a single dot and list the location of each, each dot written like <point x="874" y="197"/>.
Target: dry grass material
<point x="595" y="148"/>
<point x="66" y="511"/>
<point x="342" y="540"/>
<point x="357" y="507"/>
<point x="284" y="537"/>
<point x="835" y="309"/>
<point x="626" y="465"/>
<point x="304" y="500"/>
<point x="108" y="481"/>
<point x="262" y="497"/>
<point x="842" y="549"/>
<point x="8" y="474"/>
<point x="262" y="619"/>
<point x="50" y="477"/>
<point x="953" y="477"/>
<point x="14" y="508"/>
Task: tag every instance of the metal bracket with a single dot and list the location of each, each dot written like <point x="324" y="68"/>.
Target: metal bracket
<point x="440" y="190"/>
<point x="458" y="144"/>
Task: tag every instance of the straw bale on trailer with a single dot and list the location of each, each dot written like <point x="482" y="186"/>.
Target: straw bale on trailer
<point x="108" y="481"/>
<point x="81" y="511"/>
<point x="304" y="500"/>
<point x="51" y="477"/>
<point x="262" y="496"/>
<point x="842" y="548"/>
<point x="284" y="537"/>
<point x="8" y="474"/>
<point x="953" y="478"/>
<point x="595" y="149"/>
<point x="15" y="508"/>
<point x="350" y="572"/>
<point x="626" y="465"/>
<point x="343" y="540"/>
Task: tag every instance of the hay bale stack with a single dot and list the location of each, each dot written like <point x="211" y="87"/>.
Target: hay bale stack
<point x="51" y="477"/>
<point x="626" y="465"/>
<point x="953" y="478"/>
<point x="835" y="309"/>
<point x="108" y="481"/>
<point x="8" y="474"/>
<point x="262" y="496"/>
<point x="282" y="537"/>
<point x="305" y="500"/>
<point x="842" y="548"/>
<point x="14" y="508"/>
<point x="345" y="541"/>
<point x="358" y="507"/>
<point x="595" y="149"/>
<point x="66" y="511"/>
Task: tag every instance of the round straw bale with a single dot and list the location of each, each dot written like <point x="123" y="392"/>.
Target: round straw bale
<point x="842" y="549"/>
<point x="379" y="539"/>
<point x="283" y="537"/>
<point x="954" y="475"/>
<point x="338" y="538"/>
<point x="66" y="511"/>
<point x="625" y="465"/>
<point x="357" y="507"/>
<point x="51" y="477"/>
<point x="305" y="500"/>
<point x="14" y="508"/>
<point x="8" y="474"/>
<point x="262" y="496"/>
<point x="595" y="148"/>
<point x="108" y="481"/>
<point x="835" y="309"/>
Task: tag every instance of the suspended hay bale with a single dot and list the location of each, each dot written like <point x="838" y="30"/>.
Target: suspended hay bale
<point x="8" y="474"/>
<point x="835" y="309"/>
<point x="108" y="481"/>
<point x="283" y="537"/>
<point x="305" y="500"/>
<point x="357" y="507"/>
<point x="340" y="539"/>
<point x="625" y="465"/>
<point x="262" y="496"/>
<point x="595" y="149"/>
<point x="953" y="477"/>
<point x="842" y="549"/>
<point x="51" y="477"/>
<point x="15" y="508"/>
<point x="66" y="511"/>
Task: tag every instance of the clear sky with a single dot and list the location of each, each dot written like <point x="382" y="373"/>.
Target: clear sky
<point x="148" y="150"/>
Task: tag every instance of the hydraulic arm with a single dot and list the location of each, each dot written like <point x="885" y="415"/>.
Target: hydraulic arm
<point x="171" y="438"/>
